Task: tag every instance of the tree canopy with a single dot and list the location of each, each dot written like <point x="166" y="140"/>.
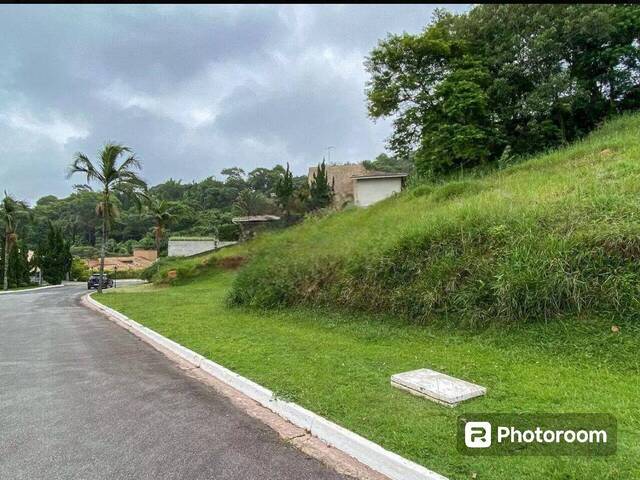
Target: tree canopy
<point x="11" y="212"/>
<point x="514" y="78"/>
<point x="198" y="208"/>
<point x="53" y="255"/>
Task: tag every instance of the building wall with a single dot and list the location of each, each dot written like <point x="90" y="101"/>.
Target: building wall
<point x="150" y="255"/>
<point x="187" y="248"/>
<point x="370" y="191"/>
<point x="343" y="183"/>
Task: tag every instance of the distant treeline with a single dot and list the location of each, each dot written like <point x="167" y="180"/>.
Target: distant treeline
<point x="200" y="208"/>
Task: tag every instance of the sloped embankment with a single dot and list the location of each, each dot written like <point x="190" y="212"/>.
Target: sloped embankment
<point x="558" y="234"/>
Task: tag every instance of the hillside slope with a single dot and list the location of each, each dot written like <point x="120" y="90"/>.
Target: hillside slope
<point x="555" y="235"/>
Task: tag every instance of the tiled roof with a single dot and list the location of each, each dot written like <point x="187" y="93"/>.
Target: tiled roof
<point x="140" y="259"/>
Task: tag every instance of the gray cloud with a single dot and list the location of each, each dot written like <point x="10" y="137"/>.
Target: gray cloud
<point x="193" y="89"/>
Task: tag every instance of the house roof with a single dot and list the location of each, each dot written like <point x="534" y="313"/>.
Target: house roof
<point x="140" y="259"/>
<point x="375" y="174"/>
<point x="255" y="218"/>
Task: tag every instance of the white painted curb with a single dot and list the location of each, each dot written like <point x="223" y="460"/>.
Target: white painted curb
<point x="371" y="454"/>
<point x="29" y="290"/>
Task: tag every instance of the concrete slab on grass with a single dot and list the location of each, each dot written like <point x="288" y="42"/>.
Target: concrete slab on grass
<point x="437" y="386"/>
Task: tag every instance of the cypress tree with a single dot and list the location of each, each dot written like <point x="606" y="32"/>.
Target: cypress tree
<point x="53" y="256"/>
<point x="18" y="265"/>
<point x="321" y="192"/>
<point x="284" y="191"/>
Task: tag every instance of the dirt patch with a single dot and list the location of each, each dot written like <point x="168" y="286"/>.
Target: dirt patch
<point x="231" y="263"/>
<point x="607" y="152"/>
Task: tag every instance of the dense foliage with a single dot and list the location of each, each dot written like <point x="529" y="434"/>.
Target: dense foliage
<point x="284" y="191"/>
<point x="18" y="268"/>
<point x="53" y="256"/>
<point x="80" y="272"/>
<point x="12" y="211"/>
<point x="504" y="80"/>
<point x="321" y="191"/>
<point x="199" y="208"/>
<point x="174" y="208"/>
<point x="387" y="163"/>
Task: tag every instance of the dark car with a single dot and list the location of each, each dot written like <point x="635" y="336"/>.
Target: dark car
<point x="94" y="281"/>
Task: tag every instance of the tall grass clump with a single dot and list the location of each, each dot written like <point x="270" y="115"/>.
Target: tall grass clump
<point x="557" y="234"/>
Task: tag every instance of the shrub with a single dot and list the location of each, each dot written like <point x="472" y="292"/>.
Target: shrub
<point x="80" y="272"/>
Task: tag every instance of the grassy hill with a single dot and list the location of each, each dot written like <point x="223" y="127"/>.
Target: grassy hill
<point x="555" y="235"/>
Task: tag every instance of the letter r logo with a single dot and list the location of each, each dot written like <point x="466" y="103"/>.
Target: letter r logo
<point x="477" y="434"/>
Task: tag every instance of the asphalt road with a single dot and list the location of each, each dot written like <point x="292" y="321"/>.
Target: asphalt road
<point x="81" y="398"/>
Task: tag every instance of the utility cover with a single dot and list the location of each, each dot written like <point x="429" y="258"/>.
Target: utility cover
<point x="437" y="386"/>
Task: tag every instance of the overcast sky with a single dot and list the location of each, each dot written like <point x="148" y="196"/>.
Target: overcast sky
<point x="192" y="89"/>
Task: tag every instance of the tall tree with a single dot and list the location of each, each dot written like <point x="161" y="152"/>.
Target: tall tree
<point x="18" y="265"/>
<point x="320" y="191"/>
<point x="520" y="78"/>
<point x="250" y="203"/>
<point x="235" y="177"/>
<point x="10" y="212"/>
<point x="112" y="178"/>
<point x="265" y="180"/>
<point x="284" y="191"/>
<point x="162" y="213"/>
<point x="53" y="255"/>
<point x="385" y="163"/>
<point x="171" y="190"/>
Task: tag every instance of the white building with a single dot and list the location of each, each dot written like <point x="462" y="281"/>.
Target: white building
<point x="188" y="246"/>
<point x="372" y="187"/>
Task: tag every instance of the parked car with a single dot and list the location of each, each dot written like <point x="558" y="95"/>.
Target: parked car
<point x="94" y="281"/>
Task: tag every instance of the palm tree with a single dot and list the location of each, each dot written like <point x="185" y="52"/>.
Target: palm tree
<point x="162" y="213"/>
<point x="11" y="210"/>
<point x="112" y="179"/>
<point x="250" y="202"/>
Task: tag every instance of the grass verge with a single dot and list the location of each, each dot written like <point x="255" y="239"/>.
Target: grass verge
<point x="339" y="365"/>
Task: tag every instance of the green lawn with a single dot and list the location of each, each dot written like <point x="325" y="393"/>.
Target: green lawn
<point x="339" y="367"/>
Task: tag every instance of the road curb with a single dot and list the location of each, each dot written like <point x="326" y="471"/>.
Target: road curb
<point x="29" y="290"/>
<point x="365" y="451"/>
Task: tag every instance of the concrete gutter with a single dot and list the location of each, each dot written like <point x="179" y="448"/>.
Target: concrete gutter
<point x="372" y="455"/>
<point x="29" y="290"/>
